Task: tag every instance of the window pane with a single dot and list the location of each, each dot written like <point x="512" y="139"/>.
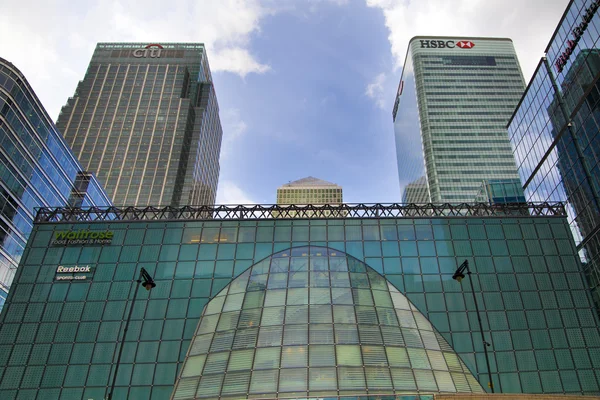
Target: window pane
<point x="348" y="355"/>
<point x="267" y="358"/>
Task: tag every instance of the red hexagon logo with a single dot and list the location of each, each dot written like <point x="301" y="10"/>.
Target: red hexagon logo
<point x="465" y="44"/>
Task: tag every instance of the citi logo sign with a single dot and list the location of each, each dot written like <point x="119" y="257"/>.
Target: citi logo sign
<point x="150" y="51"/>
<point x="446" y="44"/>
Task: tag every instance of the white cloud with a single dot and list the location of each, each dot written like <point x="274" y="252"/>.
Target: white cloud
<point x="529" y="24"/>
<point x="233" y="129"/>
<point x="238" y="61"/>
<point x="375" y="90"/>
<point x="45" y="37"/>
<point x="230" y="193"/>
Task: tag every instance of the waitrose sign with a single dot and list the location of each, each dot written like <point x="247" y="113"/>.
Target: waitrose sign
<point x="82" y="237"/>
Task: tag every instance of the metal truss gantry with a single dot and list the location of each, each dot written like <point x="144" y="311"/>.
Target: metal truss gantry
<point x="259" y="212"/>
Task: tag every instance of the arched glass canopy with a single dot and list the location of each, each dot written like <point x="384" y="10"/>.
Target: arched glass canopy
<point x="316" y="322"/>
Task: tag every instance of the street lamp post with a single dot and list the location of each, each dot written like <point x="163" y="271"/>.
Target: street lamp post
<point x="148" y="283"/>
<point x="458" y="276"/>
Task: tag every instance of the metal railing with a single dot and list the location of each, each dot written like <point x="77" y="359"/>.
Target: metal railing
<point x="340" y="211"/>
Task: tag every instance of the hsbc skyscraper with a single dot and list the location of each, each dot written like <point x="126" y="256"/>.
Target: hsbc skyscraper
<point x="455" y="97"/>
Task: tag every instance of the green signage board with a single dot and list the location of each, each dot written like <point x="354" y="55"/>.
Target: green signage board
<point x="82" y="238"/>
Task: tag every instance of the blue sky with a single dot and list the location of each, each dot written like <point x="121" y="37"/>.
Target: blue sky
<point x="310" y="115"/>
<point x="304" y="87"/>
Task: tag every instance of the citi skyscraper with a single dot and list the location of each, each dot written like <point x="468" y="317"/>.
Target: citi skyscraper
<point x="453" y="102"/>
<point x="145" y="120"/>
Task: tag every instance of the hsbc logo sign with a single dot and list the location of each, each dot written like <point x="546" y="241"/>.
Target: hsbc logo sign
<point x="446" y="44"/>
<point x="465" y="44"/>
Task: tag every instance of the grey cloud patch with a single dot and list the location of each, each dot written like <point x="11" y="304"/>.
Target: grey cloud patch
<point x="528" y="23"/>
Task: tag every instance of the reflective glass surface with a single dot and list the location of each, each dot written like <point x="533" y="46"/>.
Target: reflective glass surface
<point x="37" y="169"/>
<point x="60" y="339"/>
<point x="555" y="130"/>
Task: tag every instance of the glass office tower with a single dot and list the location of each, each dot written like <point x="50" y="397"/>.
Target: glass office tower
<point x="37" y="169"/>
<point x="416" y="192"/>
<point x="309" y="190"/>
<point x="145" y="120"/>
<point x="555" y="130"/>
<point x="453" y="102"/>
<point x="247" y="306"/>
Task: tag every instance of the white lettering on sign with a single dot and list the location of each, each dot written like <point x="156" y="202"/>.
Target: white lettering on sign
<point x="73" y="273"/>
<point x="71" y="277"/>
<point x="62" y="269"/>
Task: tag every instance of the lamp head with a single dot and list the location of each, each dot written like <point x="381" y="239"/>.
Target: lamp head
<point x="458" y="276"/>
<point x="148" y="282"/>
<point x="149" y="285"/>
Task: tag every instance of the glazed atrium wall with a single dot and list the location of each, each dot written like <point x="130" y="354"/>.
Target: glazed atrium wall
<point x="248" y="306"/>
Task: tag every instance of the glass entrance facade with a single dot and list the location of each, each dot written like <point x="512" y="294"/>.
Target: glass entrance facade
<point x="311" y="321"/>
<point x="329" y="283"/>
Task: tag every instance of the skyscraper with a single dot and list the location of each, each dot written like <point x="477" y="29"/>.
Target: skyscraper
<point x="453" y="102"/>
<point x="416" y="192"/>
<point x="37" y="169"/>
<point x="555" y="130"/>
<point x="309" y="190"/>
<point x="145" y="119"/>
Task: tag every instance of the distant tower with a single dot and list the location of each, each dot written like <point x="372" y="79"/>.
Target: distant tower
<point x="145" y="120"/>
<point x="454" y="100"/>
<point x="307" y="191"/>
<point x="416" y="192"/>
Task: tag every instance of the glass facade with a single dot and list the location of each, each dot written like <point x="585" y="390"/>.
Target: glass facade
<point x="145" y="119"/>
<point x="376" y="294"/>
<point x="453" y="102"/>
<point x="501" y="191"/>
<point x="37" y="169"/>
<point x="555" y="130"/>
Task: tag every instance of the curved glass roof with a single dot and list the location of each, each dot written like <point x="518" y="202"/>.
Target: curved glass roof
<point x="316" y="322"/>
